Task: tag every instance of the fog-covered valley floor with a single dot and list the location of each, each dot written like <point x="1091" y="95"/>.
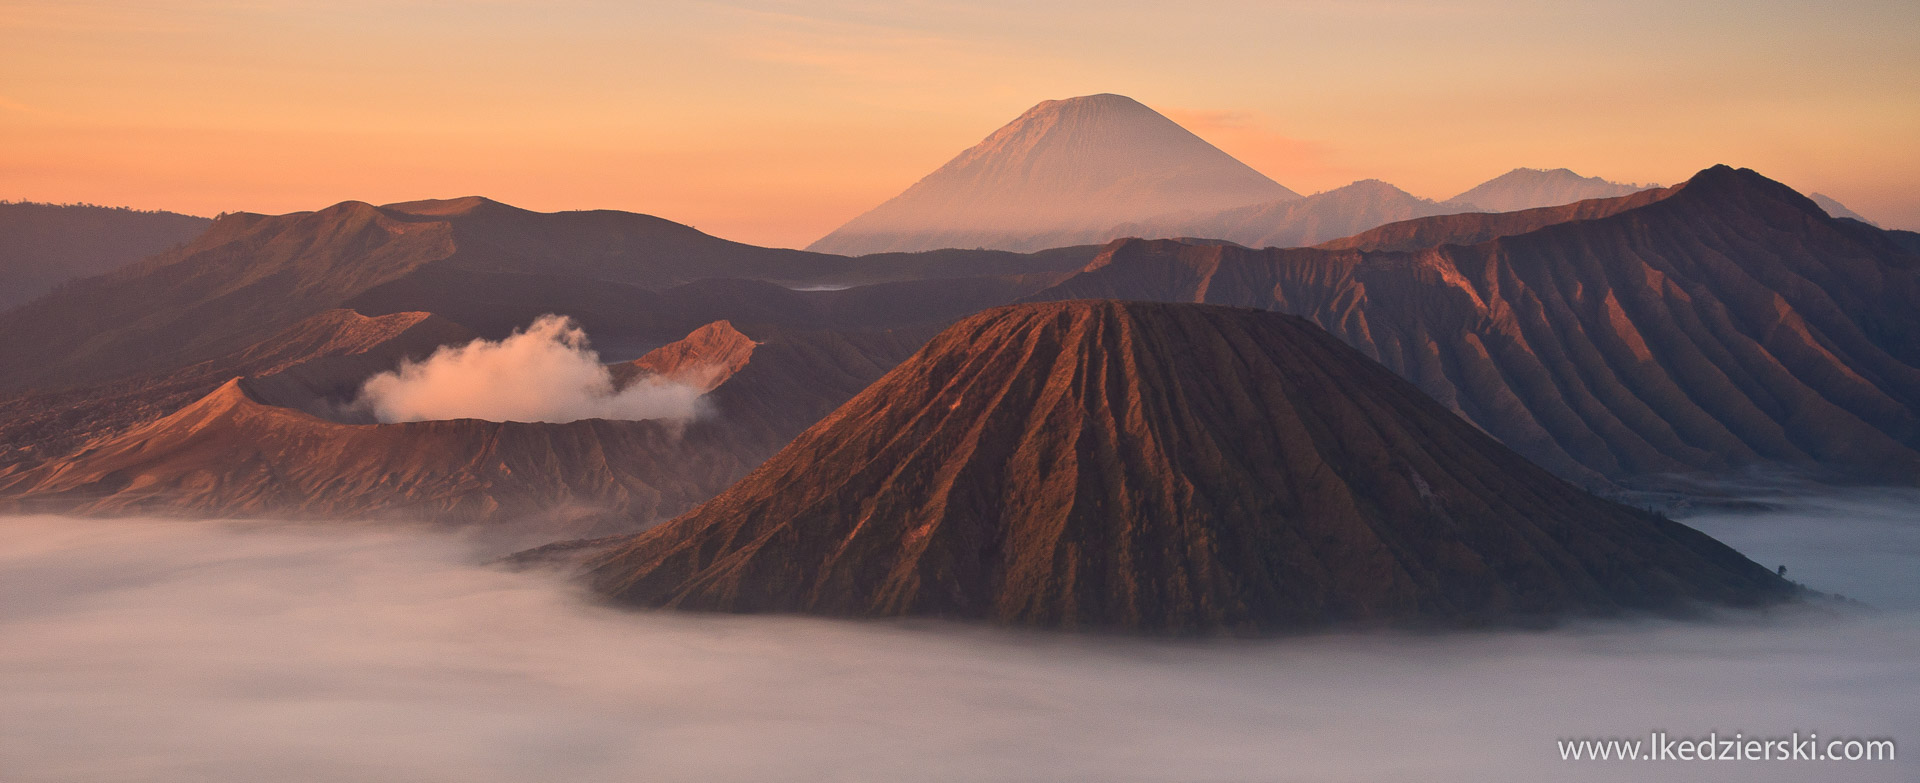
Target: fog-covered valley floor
<point x="140" y="650"/>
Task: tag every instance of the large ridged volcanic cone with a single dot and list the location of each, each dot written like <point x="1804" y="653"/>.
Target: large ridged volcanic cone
<point x="1161" y="467"/>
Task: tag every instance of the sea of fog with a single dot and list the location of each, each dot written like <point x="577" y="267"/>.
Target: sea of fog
<point x="141" y="650"/>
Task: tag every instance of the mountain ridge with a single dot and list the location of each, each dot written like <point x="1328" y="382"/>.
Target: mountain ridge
<point x="248" y="276"/>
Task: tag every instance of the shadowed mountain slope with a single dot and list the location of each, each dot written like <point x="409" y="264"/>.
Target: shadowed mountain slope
<point x="1063" y="173"/>
<point x="1729" y="324"/>
<point x="1162" y="468"/>
<point x="44" y="245"/>
<point x="1837" y="209"/>
<point x="1906" y="239"/>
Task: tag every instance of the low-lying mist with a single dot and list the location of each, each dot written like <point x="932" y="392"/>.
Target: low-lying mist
<point x="1863" y="544"/>
<point x="151" y="650"/>
<point x="546" y="373"/>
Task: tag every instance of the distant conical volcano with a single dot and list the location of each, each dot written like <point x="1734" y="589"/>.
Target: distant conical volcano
<point x="1161" y="467"/>
<point x="1063" y="173"/>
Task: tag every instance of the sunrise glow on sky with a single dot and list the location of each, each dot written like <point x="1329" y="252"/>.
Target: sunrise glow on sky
<point x="773" y="122"/>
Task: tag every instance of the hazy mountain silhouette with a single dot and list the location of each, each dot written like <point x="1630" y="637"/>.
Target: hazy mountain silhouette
<point x="1063" y="173"/>
<point x="1163" y="468"/>
<point x="1295" y="222"/>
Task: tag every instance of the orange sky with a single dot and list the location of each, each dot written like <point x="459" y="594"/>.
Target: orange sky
<point x="772" y="122"/>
